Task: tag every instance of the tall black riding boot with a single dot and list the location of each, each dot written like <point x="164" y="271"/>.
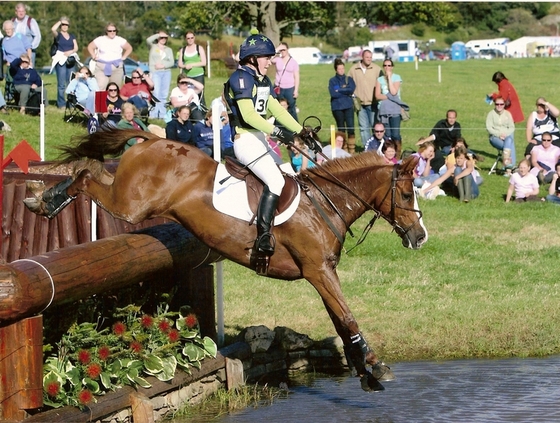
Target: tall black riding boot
<point x="265" y="214"/>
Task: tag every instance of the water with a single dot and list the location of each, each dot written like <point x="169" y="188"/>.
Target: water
<point x="508" y="390"/>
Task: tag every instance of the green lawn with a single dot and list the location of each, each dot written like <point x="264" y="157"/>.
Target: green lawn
<point x="483" y="285"/>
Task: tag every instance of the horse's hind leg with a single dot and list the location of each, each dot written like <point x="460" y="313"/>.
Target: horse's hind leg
<point x="52" y="200"/>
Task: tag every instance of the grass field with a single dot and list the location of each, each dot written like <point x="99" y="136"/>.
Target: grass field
<point x="483" y="285"/>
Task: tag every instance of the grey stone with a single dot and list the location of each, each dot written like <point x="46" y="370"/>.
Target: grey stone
<point x="259" y="338"/>
<point x="290" y="340"/>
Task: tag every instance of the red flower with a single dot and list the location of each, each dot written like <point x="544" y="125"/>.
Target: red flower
<point x="147" y="321"/>
<point x="173" y="335"/>
<point x="84" y="356"/>
<point x="93" y="370"/>
<point x="53" y="388"/>
<point x="119" y="328"/>
<point x="104" y="352"/>
<point x="136" y="346"/>
<point x="164" y="326"/>
<point x="191" y="321"/>
<point x="85" y="396"/>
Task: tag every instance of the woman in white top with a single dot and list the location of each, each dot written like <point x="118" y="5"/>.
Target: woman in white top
<point x="186" y="93"/>
<point x="110" y="51"/>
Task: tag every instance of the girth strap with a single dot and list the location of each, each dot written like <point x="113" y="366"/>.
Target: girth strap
<point x="323" y="215"/>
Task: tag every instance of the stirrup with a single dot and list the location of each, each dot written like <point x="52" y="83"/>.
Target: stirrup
<point x="271" y="242"/>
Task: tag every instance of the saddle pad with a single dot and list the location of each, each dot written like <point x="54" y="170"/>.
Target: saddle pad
<point x="231" y="198"/>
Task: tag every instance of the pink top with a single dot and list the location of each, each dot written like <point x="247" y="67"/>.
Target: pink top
<point x="523" y="185"/>
<point x="548" y="156"/>
<point x="285" y="79"/>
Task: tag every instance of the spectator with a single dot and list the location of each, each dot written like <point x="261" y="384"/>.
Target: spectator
<point x="365" y="74"/>
<point x="67" y="46"/>
<point x="525" y="184"/>
<point x="463" y="173"/>
<point x="388" y="92"/>
<point x="341" y="89"/>
<point x="339" y="152"/>
<point x="379" y="138"/>
<point x="444" y="132"/>
<point x="26" y="80"/>
<point x="84" y="86"/>
<point x="299" y="160"/>
<point x="14" y="44"/>
<point x="203" y="134"/>
<point x="389" y="151"/>
<point x="192" y="60"/>
<point x="544" y="119"/>
<point x="554" y="189"/>
<point x="181" y="128"/>
<point x="138" y="91"/>
<point x="130" y="120"/>
<point x="160" y="62"/>
<point x="29" y="28"/>
<point x="114" y="104"/>
<point x="423" y="172"/>
<point x="500" y="126"/>
<point x="187" y="94"/>
<point x="544" y="158"/>
<point x="109" y="51"/>
<point x="507" y="92"/>
<point x="287" y="77"/>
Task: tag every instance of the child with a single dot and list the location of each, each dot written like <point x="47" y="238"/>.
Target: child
<point x="554" y="189"/>
<point x="389" y="151"/>
<point x="463" y="173"/>
<point x="525" y="184"/>
<point x="299" y="161"/>
<point x="423" y="172"/>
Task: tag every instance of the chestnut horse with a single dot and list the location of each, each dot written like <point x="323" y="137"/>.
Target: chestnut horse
<point x="159" y="177"/>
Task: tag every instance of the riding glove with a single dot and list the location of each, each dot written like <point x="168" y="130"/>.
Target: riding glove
<point x="282" y="135"/>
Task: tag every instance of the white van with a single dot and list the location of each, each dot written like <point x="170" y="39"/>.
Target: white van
<point x="305" y="55"/>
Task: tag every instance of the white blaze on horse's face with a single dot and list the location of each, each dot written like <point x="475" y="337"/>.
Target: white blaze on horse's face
<point x="420" y="222"/>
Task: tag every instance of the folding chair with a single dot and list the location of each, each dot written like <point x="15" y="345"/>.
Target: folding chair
<point x="74" y="111"/>
<point x="498" y="159"/>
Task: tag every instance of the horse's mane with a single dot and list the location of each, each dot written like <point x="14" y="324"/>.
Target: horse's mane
<point x="341" y="165"/>
<point x="106" y="142"/>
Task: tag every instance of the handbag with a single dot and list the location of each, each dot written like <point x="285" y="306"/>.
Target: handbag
<point x="357" y="103"/>
<point x="277" y="90"/>
<point x="405" y="115"/>
<point x="54" y="47"/>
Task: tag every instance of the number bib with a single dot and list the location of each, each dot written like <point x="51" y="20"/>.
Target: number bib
<point x="261" y="100"/>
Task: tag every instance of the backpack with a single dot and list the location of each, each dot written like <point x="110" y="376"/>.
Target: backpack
<point x="33" y="103"/>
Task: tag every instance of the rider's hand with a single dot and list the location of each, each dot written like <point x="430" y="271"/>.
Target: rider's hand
<point x="282" y="135"/>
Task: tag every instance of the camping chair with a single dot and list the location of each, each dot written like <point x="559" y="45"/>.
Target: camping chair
<point x="144" y="114"/>
<point x="74" y="111"/>
<point x="498" y="159"/>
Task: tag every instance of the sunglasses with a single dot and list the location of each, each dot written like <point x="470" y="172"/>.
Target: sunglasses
<point x="111" y="30"/>
<point x="387" y="66"/>
<point x="112" y="89"/>
<point x="183" y="82"/>
<point x="379" y="132"/>
<point x="546" y="140"/>
<point x="64" y="24"/>
<point x="500" y="104"/>
<point x="190" y="38"/>
<point x="136" y="77"/>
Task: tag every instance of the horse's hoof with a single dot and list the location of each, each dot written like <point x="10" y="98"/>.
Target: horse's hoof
<point x="34" y="205"/>
<point x="381" y="371"/>
<point x="370" y="384"/>
<point x="36" y="187"/>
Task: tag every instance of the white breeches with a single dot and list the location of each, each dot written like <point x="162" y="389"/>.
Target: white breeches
<point x="253" y="148"/>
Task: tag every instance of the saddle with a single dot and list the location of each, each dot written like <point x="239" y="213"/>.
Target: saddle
<point x="255" y="186"/>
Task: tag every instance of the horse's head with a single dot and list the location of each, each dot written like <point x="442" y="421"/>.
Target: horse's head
<point x="399" y="206"/>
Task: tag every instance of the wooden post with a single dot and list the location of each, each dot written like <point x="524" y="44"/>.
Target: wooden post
<point x="21" y="368"/>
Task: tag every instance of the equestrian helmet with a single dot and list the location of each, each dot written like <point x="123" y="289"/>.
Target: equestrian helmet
<point x="256" y="45"/>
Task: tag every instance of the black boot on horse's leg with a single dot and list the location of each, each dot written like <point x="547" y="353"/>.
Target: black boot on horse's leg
<point x="358" y="352"/>
<point x="57" y="197"/>
<point x="264" y="244"/>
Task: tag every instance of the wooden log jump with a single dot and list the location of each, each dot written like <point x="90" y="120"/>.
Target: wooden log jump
<point x="29" y="286"/>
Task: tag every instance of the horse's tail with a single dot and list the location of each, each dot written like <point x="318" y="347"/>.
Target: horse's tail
<point x="106" y="142"/>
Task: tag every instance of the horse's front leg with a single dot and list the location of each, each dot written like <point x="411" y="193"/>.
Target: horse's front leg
<point x="51" y="201"/>
<point x="358" y="352"/>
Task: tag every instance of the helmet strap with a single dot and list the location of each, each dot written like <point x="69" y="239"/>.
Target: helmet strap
<point x="255" y="63"/>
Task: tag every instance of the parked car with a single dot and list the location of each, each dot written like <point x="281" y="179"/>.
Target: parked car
<point x="328" y="58"/>
<point x="129" y="65"/>
<point x="471" y="54"/>
<point x="490" y="53"/>
<point x="441" y="55"/>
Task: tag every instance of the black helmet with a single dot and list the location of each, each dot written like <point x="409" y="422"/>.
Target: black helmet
<point x="256" y="45"/>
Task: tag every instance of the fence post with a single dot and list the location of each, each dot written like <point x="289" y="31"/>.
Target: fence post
<point x="21" y="368"/>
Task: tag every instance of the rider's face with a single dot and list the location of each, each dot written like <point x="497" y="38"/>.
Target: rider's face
<point x="263" y="63"/>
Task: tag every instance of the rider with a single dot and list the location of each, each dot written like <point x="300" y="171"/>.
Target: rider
<point x="250" y="96"/>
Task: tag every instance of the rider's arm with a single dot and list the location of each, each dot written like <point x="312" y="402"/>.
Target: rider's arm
<point x="283" y="116"/>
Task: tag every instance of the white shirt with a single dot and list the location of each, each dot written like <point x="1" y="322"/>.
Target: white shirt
<point x="109" y="49"/>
